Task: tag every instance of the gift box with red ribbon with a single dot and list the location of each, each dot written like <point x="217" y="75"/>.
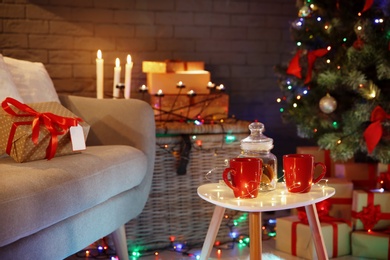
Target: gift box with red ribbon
<point x="373" y="245"/>
<point x="362" y="175"/>
<point x="339" y="205"/>
<point x="37" y="131"/>
<point x="370" y="210"/>
<point x="320" y="155"/>
<point x="341" y="202"/>
<point x="294" y="237"/>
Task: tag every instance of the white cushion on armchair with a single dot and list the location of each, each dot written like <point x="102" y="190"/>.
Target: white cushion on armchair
<point x="7" y="85"/>
<point x="31" y="80"/>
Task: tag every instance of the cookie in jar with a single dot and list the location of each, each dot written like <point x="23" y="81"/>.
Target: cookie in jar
<point x="258" y="145"/>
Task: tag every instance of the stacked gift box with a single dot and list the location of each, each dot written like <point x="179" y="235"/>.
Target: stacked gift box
<point x="181" y="90"/>
<point x="355" y="221"/>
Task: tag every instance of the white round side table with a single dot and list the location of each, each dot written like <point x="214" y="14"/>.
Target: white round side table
<point x="222" y="197"/>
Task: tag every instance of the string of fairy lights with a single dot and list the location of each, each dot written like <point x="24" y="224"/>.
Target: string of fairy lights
<point x="101" y="250"/>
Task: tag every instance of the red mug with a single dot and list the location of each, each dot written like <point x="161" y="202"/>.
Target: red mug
<point x="299" y="172"/>
<point x="245" y="176"/>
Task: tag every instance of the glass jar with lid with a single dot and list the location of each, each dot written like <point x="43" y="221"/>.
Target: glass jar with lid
<point x="258" y="145"/>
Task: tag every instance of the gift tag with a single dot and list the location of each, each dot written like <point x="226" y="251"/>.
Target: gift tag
<point x="77" y="138"/>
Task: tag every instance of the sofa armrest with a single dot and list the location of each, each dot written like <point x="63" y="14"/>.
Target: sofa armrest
<point x="121" y="121"/>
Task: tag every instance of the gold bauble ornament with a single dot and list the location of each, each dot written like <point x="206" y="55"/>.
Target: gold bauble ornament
<point x="328" y="104"/>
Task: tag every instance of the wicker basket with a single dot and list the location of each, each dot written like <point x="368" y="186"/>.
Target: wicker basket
<point x="174" y="209"/>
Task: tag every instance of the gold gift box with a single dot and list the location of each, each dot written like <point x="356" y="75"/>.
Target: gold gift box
<point x="171" y="66"/>
<point x="195" y="80"/>
<point x="23" y="149"/>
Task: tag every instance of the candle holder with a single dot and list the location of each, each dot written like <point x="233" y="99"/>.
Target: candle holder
<point x="180" y="85"/>
<point x="119" y="90"/>
<point x="211" y="87"/>
<point x="220" y="88"/>
<point x="160" y="95"/>
<point x="143" y="89"/>
<point x="191" y="94"/>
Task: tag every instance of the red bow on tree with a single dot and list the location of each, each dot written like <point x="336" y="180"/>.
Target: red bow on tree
<point x="369" y="216"/>
<point x="367" y="5"/>
<point x="295" y="69"/>
<point x="374" y="131"/>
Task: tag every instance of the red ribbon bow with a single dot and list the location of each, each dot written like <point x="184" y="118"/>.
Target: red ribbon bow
<point x="56" y="125"/>
<point x="367" y="5"/>
<point x="369" y="216"/>
<point x="295" y="69"/>
<point x="374" y="131"/>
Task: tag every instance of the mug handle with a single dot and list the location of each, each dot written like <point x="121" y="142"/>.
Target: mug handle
<point x="322" y="173"/>
<point x="226" y="180"/>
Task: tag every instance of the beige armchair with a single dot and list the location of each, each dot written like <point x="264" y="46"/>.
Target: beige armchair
<point x="51" y="209"/>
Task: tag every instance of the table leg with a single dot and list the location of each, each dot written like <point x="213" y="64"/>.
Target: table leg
<point x="312" y="216"/>
<point x="212" y="232"/>
<point x="255" y="231"/>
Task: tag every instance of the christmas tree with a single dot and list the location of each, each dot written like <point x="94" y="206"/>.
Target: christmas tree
<point x="336" y="87"/>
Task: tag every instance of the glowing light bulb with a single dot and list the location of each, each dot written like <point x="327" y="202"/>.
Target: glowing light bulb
<point x="380" y="20"/>
<point x="339" y="141"/>
<point x="278" y="100"/>
<point x="295" y="105"/>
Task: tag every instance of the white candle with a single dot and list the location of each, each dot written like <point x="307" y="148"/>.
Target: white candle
<point x="99" y="75"/>
<point x="128" y="69"/>
<point x="117" y="78"/>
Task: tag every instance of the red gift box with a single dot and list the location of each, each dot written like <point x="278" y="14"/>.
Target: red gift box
<point x="362" y="175"/>
<point x="320" y="155"/>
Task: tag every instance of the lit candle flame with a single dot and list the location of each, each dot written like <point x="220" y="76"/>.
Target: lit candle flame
<point x="128" y="59"/>
<point x="117" y="63"/>
<point x="99" y="54"/>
